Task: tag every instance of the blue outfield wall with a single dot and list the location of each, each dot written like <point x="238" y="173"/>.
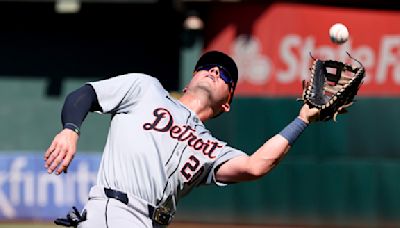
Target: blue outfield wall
<point x="27" y="191"/>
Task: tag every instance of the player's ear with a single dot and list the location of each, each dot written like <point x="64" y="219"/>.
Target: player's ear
<point x="226" y="107"/>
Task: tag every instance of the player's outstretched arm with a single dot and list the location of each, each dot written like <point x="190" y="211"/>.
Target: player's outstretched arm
<point x="61" y="151"/>
<point x="246" y="168"/>
<point x="63" y="147"/>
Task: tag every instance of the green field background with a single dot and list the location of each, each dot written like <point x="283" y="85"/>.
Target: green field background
<point x="343" y="173"/>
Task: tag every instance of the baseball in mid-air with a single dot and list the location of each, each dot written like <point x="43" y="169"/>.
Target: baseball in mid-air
<point x="338" y="33"/>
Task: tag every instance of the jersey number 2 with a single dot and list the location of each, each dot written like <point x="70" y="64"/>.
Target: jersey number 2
<point x="190" y="167"/>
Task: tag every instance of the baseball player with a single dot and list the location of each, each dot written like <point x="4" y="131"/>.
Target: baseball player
<point x="158" y="148"/>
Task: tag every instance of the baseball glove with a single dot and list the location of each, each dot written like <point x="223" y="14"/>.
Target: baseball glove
<point x="332" y="87"/>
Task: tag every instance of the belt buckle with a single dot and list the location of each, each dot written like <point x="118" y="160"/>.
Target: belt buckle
<point x="162" y="215"/>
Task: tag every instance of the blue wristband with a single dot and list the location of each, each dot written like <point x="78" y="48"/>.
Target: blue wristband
<point x="293" y="130"/>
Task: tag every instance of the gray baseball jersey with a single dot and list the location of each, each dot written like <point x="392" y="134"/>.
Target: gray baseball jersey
<point x="157" y="149"/>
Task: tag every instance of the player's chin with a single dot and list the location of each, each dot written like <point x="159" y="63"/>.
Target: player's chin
<point x="205" y="86"/>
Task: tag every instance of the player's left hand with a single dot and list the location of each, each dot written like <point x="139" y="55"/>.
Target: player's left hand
<point x="308" y="114"/>
<point x="61" y="151"/>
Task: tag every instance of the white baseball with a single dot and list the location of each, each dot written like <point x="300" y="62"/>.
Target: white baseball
<point x="338" y="33"/>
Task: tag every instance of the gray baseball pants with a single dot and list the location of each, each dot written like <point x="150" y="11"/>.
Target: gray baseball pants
<point x="103" y="212"/>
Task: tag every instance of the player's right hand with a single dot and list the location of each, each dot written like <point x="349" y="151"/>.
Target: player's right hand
<point x="308" y="114"/>
<point x="61" y="151"/>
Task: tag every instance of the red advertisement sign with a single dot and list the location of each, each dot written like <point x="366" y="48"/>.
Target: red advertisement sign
<point x="272" y="45"/>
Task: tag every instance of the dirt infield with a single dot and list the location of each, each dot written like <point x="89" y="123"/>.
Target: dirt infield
<point x="209" y="225"/>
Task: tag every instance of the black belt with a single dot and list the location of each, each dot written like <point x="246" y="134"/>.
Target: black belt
<point x="122" y="197"/>
<point x="160" y="214"/>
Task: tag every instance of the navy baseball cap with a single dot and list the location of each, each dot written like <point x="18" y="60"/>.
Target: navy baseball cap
<point x="220" y="59"/>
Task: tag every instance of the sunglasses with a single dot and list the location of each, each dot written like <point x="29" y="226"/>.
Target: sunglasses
<point x="223" y="73"/>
